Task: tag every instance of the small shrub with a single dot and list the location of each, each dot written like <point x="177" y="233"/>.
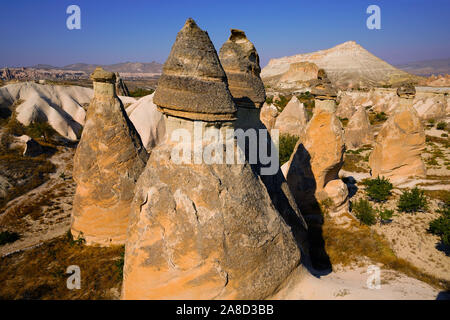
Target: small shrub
<point x="79" y="241"/>
<point x="120" y="263"/>
<point x="385" y="214"/>
<point x="286" y="147"/>
<point x="8" y="237"/>
<point x="378" y="117"/>
<point x="412" y="201"/>
<point x="441" y="225"/>
<point x="364" y="212"/>
<point x="281" y="103"/>
<point x="269" y="100"/>
<point x="378" y="189"/>
<point x="441" y="125"/>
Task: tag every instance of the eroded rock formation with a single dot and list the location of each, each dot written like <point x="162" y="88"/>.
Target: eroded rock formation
<point x="268" y="115"/>
<point x="400" y="143"/>
<point x="240" y="60"/>
<point x="192" y="223"/>
<point x="108" y="161"/>
<point x="318" y="155"/>
<point x="293" y="119"/>
<point x="121" y="87"/>
<point x="358" y="131"/>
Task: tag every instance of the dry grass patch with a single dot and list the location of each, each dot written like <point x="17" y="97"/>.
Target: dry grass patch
<point x="40" y="273"/>
<point x="28" y="173"/>
<point x="352" y="163"/>
<point x="346" y="246"/>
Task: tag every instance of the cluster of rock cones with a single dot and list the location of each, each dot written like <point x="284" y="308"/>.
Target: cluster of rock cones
<point x="203" y="231"/>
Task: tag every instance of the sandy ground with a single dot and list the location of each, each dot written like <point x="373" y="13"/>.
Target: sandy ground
<point x="56" y="219"/>
<point x="352" y="284"/>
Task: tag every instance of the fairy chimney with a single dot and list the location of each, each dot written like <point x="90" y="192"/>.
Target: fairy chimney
<point x="400" y="142"/>
<point x="192" y="222"/>
<point x="108" y="161"/>
<point x="240" y="60"/>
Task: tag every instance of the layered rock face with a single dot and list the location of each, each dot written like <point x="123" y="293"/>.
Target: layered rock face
<point x="192" y="222"/>
<point x="400" y="143"/>
<point x="358" y="131"/>
<point x="293" y="119"/>
<point x="108" y="161"/>
<point x="299" y="74"/>
<point x="191" y="77"/>
<point x="240" y="60"/>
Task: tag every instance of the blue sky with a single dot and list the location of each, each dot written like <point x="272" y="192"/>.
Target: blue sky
<point x="144" y="30"/>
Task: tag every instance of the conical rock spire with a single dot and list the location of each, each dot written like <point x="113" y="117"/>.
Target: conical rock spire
<point x="193" y="84"/>
<point x="241" y="64"/>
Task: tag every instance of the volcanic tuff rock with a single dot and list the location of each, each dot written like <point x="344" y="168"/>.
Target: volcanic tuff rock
<point x="429" y="104"/>
<point x="317" y="159"/>
<point x="358" y="131"/>
<point x="240" y="61"/>
<point x="148" y="121"/>
<point x="241" y="64"/>
<point x="121" y="87"/>
<point x="347" y="65"/>
<point x="399" y="145"/>
<point x="193" y="84"/>
<point x="192" y="223"/>
<point x="299" y="74"/>
<point x="293" y="118"/>
<point x="323" y="89"/>
<point x="62" y="107"/>
<point x="268" y="115"/>
<point x="108" y="161"/>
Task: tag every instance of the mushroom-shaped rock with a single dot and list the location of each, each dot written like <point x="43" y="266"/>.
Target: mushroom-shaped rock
<point x="108" y="161"/>
<point x="407" y="91"/>
<point x="193" y="222"/>
<point x="193" y="84"/>
<point x="241" y="64"/>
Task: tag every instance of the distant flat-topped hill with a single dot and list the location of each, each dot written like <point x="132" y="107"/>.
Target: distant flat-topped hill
<point x="347" y="65"/>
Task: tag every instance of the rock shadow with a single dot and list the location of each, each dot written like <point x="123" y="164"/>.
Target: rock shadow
<point x="302" y="183"/>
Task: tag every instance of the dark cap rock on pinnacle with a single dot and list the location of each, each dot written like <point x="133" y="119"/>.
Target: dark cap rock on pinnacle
<point x="193" y="84"/>
<point x="241" y="64"/>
